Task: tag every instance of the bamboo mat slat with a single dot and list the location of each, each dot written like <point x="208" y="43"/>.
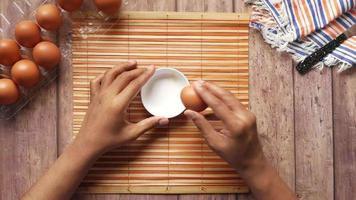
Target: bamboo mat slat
<point x="175" y="159"/>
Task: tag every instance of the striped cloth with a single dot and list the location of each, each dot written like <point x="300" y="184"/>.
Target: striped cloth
<point x="300" y="27"/>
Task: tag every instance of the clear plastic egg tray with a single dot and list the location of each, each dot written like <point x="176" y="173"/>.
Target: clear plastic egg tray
<point x="18" y="10"/>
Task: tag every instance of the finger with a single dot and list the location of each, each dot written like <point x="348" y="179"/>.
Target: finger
<point x="213" y="138"/>
<point x="220" y="109"/>
<point x="134" y="87"/>
<point x="95" y="85"/>
<point x="149" y="123"/>
<point x="199" y="120"/>
<point x="125" y="78"/>
<point x="111" y="74"/>
<point x="227" y="97"/>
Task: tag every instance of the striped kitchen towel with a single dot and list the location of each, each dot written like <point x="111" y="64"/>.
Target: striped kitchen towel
<point x="300" y="27"/>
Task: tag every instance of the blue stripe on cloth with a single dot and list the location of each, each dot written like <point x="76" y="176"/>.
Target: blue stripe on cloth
<point x="292" y="17"/>
<point x="314" y="15"/>
<point x="349" y="19"/>
<point x="350" y="52"/>
<point x="340" y="56"/>
<point x="297" y="48"/>
<point x="274" y="11"/>
<point x="324" y="35"/>
<point x="297" y="52"/>
<point x="321" y="11"/>
<point x="314" y="38"/>
<point x="343" y="7"/>
<point x="341" y="22"/>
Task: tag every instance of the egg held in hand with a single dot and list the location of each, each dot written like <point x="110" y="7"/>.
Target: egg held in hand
<point x="9" y="92"/>
<point x="46" y="54"/>
<point x="26" y="73"/>
<point x="109" y="7"/>
<point x="49" y="17"/>
<point x="191" y="99"/>
<point x="9" y="52"/>
<point x="27" y="34"/>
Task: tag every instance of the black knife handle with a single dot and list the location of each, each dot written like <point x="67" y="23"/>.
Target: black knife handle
<point x="307" y="64"/>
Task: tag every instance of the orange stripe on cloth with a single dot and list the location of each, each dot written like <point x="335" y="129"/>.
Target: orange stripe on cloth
<point x="298" y="17"/>
<point x="350" y="42"/>
<point x="326" y="9"/>
<point x="308" y="18"/>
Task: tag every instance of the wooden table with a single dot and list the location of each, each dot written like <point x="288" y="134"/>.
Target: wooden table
<point x="307" y="124"/>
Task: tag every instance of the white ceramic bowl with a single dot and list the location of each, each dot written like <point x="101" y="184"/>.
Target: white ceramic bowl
<point x="161" y="94"/>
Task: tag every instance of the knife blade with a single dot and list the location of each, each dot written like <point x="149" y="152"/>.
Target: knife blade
<point x="307" y="64"/>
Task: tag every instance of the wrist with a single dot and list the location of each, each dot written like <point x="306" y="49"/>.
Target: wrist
<point x="85" y="149"/>
<point x="253" y="166"/>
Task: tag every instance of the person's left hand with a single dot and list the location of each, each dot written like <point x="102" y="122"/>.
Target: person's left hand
<point x="105" y="125"/>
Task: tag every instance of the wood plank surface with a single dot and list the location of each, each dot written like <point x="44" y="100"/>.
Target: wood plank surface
<point x="314" y="135"/>
<point x="344" y="118"/>
<point x="64" y="99"/>
<point x="28" y="146"/>
<point x="28" y="141"/>
<point x="272" y="103"/>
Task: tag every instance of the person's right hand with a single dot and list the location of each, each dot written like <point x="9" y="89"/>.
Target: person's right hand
<point x="237" y="142"/>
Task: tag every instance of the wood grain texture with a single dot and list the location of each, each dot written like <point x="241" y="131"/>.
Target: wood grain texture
<point x="150" y="5"/>
<point x="240" y="6"/>
<point x="272" y="103"/>
<point x="314" y="135"/>
<point x="344" y="118"/>
<point x="21" y="169"/>
<point x="214" y="6"/>
<point x="64" y="98"/>
<point x="28" y="141"/>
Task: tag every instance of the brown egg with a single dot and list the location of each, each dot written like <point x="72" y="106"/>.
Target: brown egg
<point x="109" y="7"/>
<point x="70" y="5"/>
<point x="49" y="17"/>
<point x="27" y="34"/>
<point x="9" y="92"/>
<point x="26" y="73"/>
<point x="191" y="99"/>
<point x="9" y="52"/>
<point x="46" y="54"/>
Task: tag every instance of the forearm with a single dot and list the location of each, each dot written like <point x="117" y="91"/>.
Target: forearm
<point x="265" y="183"/>
<point x="63" y="178"/>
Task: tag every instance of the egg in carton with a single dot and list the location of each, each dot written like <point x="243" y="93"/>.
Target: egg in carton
<point x="29" y="55"/>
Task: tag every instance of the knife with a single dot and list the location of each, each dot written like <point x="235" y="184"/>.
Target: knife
<point x="307" y="64"/>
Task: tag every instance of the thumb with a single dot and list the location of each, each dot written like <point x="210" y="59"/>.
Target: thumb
<point x="149" y="123"/>
<point x="201" y="122"/>
<point x="213" y="138"/>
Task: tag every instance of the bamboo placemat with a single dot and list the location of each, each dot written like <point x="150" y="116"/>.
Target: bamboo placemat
<point x="175" y="159"/>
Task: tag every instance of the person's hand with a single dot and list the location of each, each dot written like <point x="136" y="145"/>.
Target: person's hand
<point x="106" y="125"/>
<point x="237" y="142"/>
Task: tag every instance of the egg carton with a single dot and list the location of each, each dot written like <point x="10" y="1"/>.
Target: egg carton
<point x="19" y="10"/>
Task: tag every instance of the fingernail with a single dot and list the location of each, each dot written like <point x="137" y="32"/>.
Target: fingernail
<point x="199" y="84"/>
<point x="189" y="114"/>
<point x="132" y="62"/>
<point x="163" y="122"/>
